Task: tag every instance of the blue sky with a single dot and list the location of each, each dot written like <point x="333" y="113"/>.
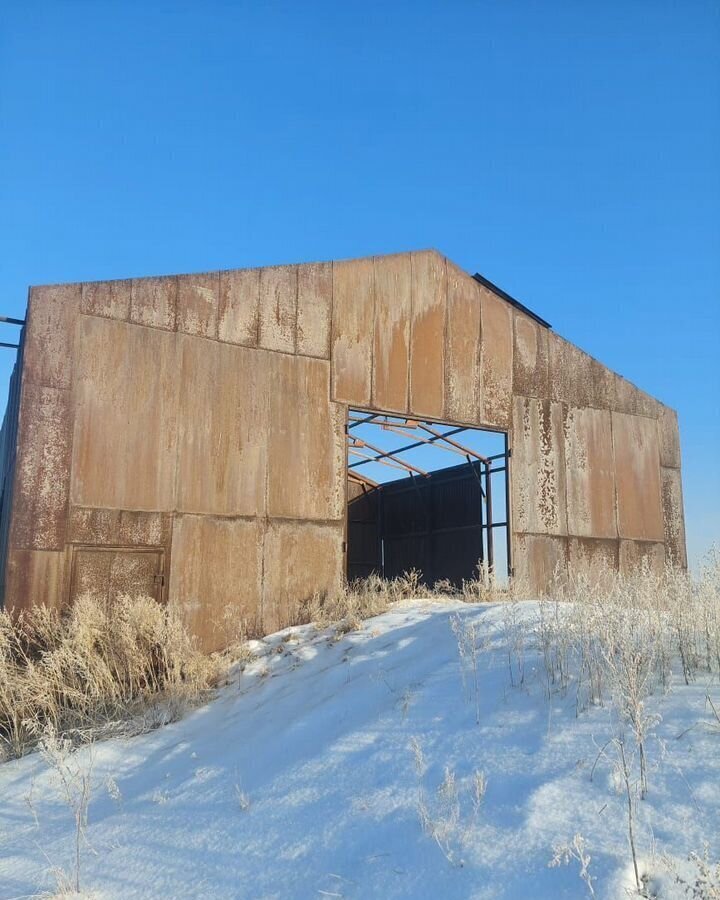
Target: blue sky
<point x="568" y="151"/>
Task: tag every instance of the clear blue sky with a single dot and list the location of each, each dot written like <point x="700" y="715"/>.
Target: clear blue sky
<point x="569" y="151"/>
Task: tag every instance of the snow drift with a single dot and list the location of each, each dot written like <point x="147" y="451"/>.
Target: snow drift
<point x="365" y="765"/>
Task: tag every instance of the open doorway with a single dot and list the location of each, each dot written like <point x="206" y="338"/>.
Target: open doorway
<point x="427" y="496"/>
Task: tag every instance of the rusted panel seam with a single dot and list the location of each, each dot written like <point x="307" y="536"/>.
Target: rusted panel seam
<point x="173" y="280"/>
<point x="640" y="541"/>
<point x="202" y="337"/>
<point x="263" y="582"/>
<point x="479" y="386"/>
<point x="296" y="269"/>
<point x="615" y="477"/>
<point x="373" y="329"/>
<point x="410" y="331"/>
<point x="445" y="355"/>
<point x="179" y="362"/>
<point x="287" y="520"/>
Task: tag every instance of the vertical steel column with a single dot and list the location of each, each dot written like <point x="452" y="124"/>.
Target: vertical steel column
<point x="508" y="518"/>
<point x="488" y="501"/>
<point x="482" y="524"/>
<point x="381" y="531"/>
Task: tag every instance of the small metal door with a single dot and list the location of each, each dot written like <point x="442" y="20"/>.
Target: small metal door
<point x="108" y="572"/>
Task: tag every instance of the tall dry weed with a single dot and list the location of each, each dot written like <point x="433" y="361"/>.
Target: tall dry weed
<point x="94" y="668"/>
<point x="363" y="599"/>
<point x="625" y="636"/>
<point x="367" y="597"/>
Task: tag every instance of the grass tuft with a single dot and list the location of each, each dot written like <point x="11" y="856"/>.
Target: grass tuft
<point x="96" y="669"/>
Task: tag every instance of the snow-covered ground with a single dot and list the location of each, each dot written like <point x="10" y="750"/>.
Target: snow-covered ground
<point x="300" y="780"/>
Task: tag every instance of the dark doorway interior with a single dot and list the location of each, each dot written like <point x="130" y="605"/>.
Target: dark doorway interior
<point x="442" y="520"/>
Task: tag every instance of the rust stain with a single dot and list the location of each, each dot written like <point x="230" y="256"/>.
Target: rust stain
<point x="462" y="347"/>
<point x="593" y="559"/>
<point x="673" y="518"/>
<point x="50" y="333"/>
<point x="638" y="555"/>
<point x="125" y="416"/>
<point x="571" y="373"/>
<point x="496" y="361"/>
<point x="539" y="561"/>
<point x="306" y="441"/>
<point x="153" y="302"/>
<point x="530" y="358"/>
<point x="106" y="574"/>
<point x="239" y="309"/>
<point x="278" y="308"/>
<point x="391" y="332"/>
<point x="669" y="435"/>
<point x="314" y="309"/>
<point x="198" y="298"/>
<point x="106" y="298"/>
<point x="300" y="560"/>
<point x="34" y="578"/>
<point x="538" y="467"/>
<point x="215" y="575"/>
<point x="637" y="477"/>
<point x="427" y="336"/>
<point x="590" y="473"/>
<point x="42" y="476"/>
<point x="223" y="424"/>
<point x="352" y="330"/>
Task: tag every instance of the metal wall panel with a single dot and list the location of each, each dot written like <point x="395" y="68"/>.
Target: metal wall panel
<point x="462" y="348"/>
<point x="427" y="334"/>
<point x="496" y="361"/>
<point x="637" y="477"/>
<point x="352" y="330"/>
<point x="314" y="309"/>
<point x="126" y="399"/>
<point x="392" y="332"/>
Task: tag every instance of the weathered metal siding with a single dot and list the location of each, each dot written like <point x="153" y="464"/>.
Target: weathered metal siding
<point x="125" y="402"/>
<point x="195" y="424"/>
<point x="462" y="347"/>
<point x="637" y="477"/>
<point x="216" y="574"/>
<point x="427" y="335"/>
<point x="606" y="494"/>
<point x="496" y="361"/>
<point x="589" y="473"/>
<point x="538" y="468"/>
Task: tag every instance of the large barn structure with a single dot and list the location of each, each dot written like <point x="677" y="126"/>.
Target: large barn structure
<point x="188" y="437"/>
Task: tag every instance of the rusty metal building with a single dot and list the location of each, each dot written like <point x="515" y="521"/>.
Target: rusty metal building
<point x="185" y="435"/>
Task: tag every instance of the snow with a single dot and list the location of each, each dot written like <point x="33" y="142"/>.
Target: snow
<point x="299" y="780"/>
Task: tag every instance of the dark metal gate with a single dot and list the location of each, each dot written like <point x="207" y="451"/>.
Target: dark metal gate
<point x="433" y="523"/>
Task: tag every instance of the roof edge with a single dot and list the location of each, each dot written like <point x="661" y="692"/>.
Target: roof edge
<point x="485" y="282"/>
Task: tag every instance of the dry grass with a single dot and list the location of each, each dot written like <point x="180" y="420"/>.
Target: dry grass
<point x="635" y="632"/>
<point x="104" y="669"/>
<point x="618" y="640"/>
<point x="94" y="670"/>
<point x="132" y="665"/>
<point x="372" y="596"/>
<point x="357" y="601"/>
